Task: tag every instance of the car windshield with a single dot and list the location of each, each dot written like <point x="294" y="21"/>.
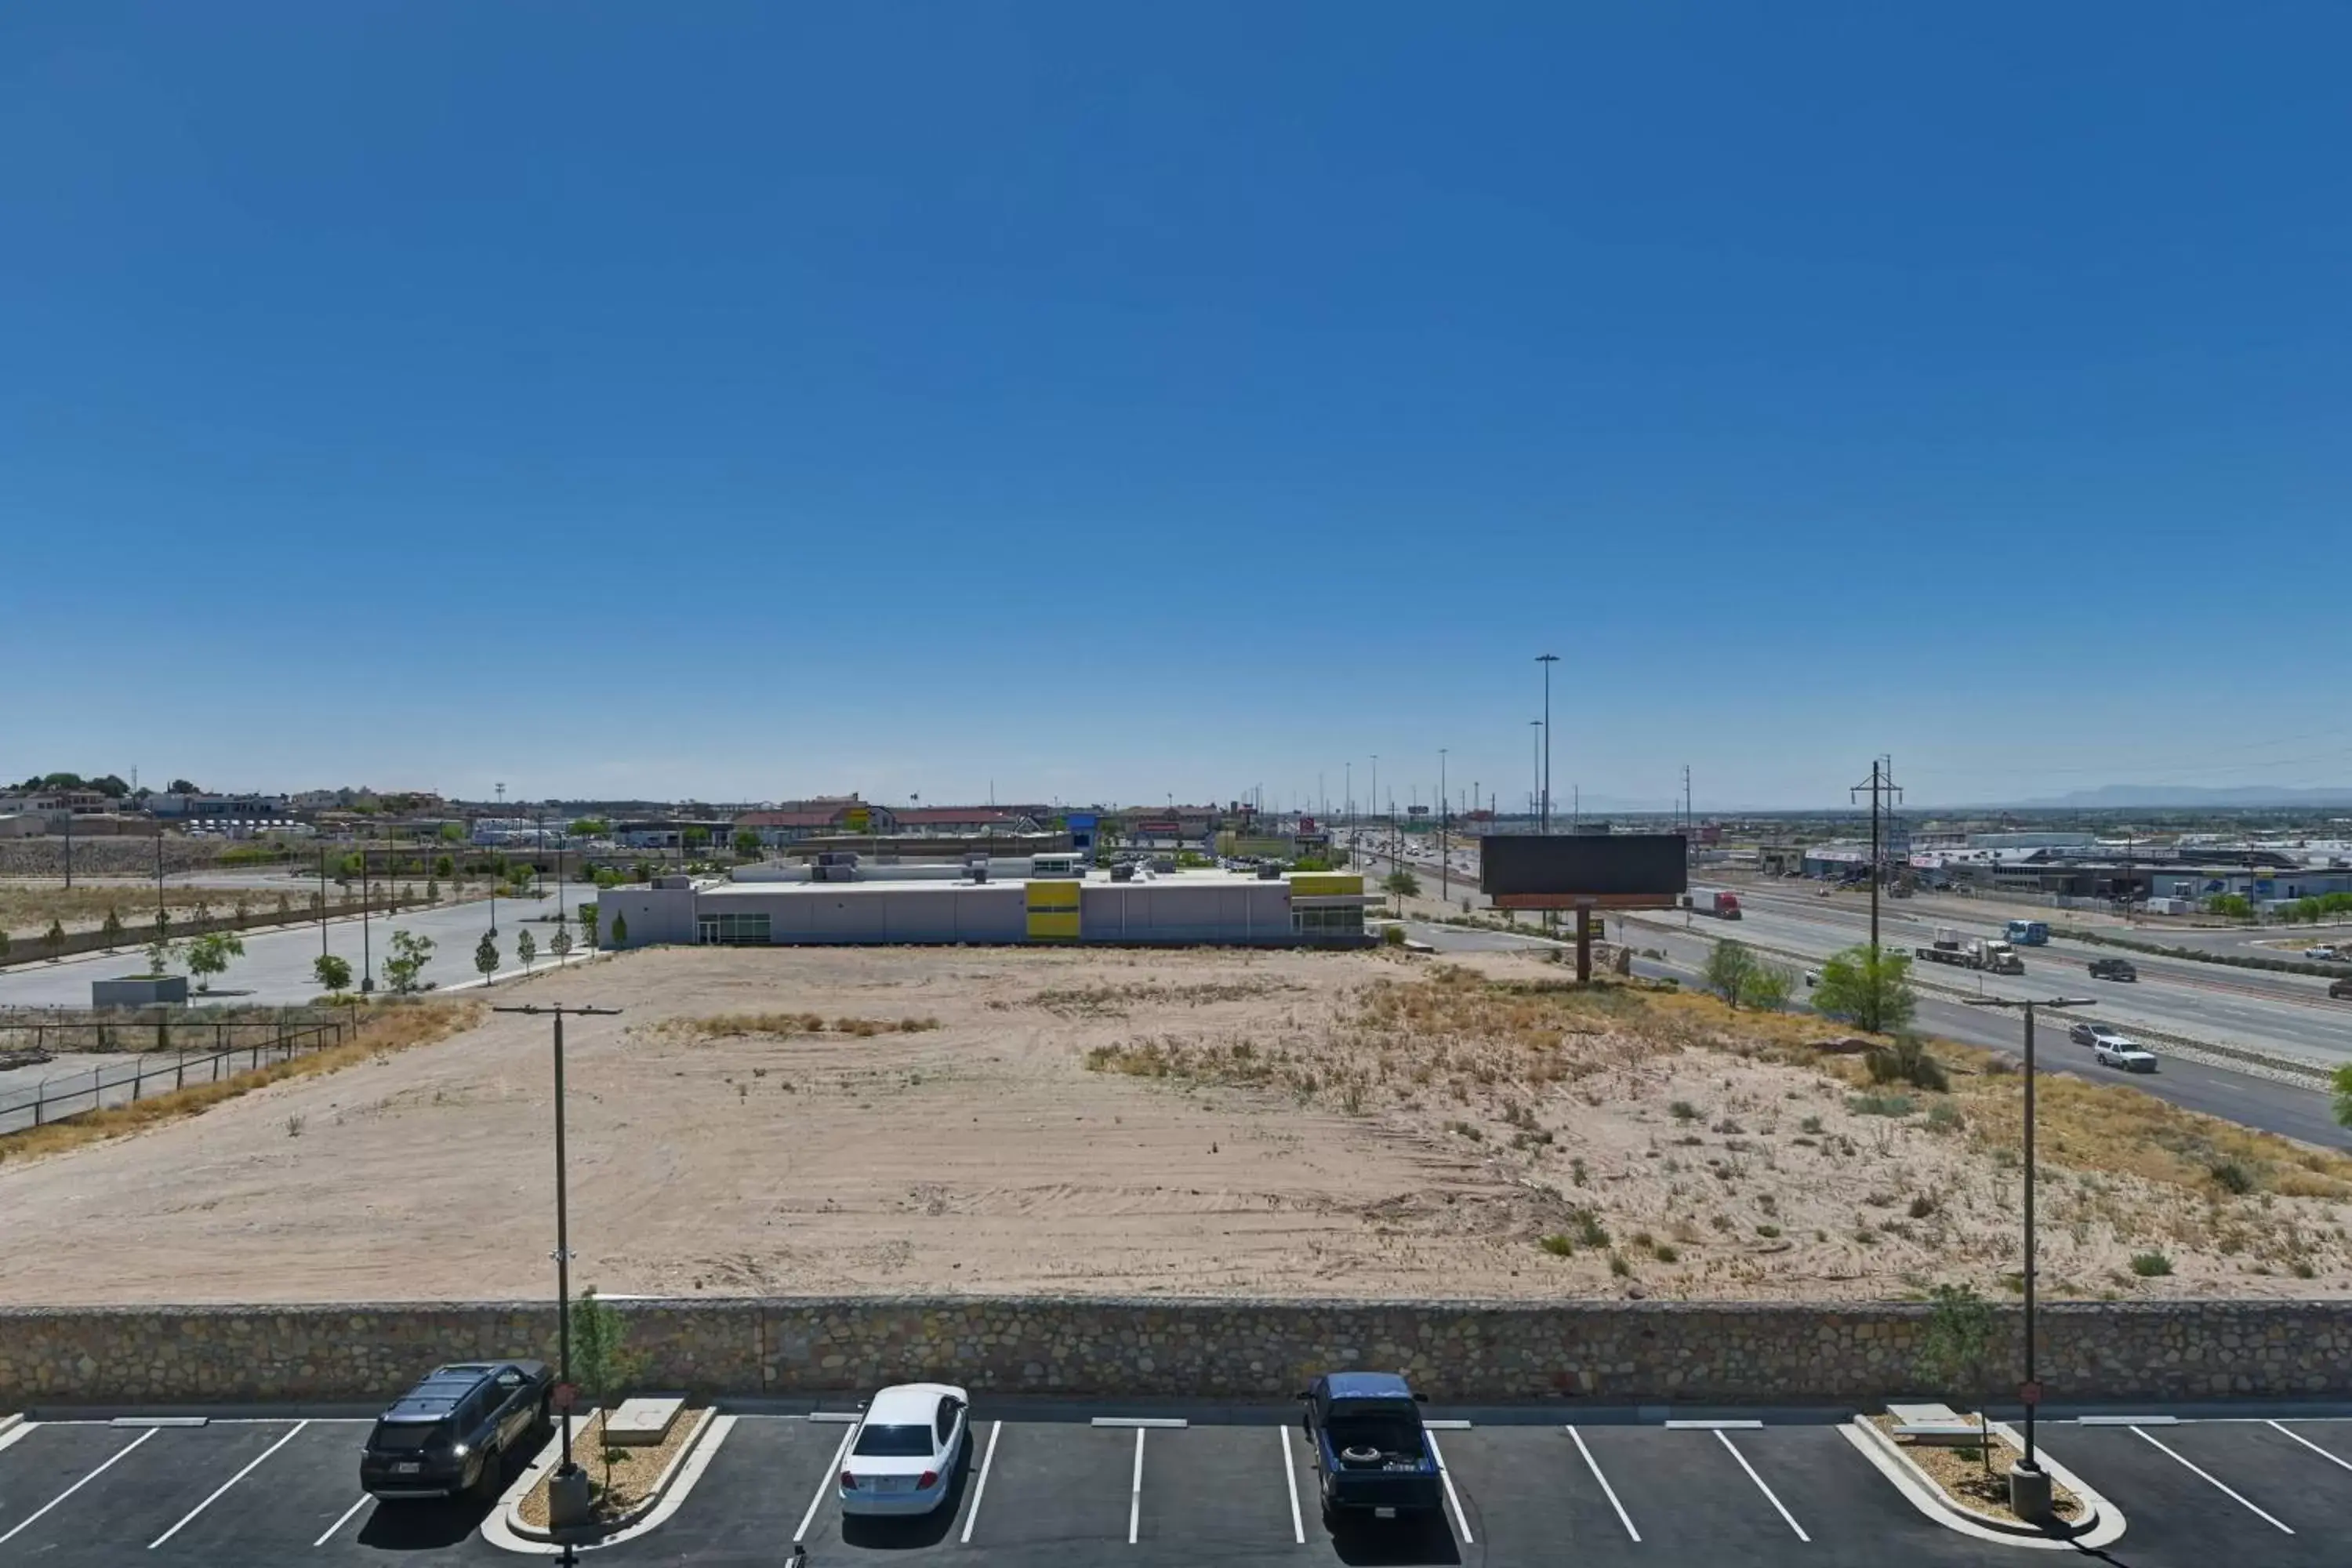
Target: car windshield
<point x="894" y="1442"/>
<point x="403" y="1437"/>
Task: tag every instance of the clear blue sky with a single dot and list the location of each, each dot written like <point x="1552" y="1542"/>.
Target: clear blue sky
<point x="1112" y="401"/>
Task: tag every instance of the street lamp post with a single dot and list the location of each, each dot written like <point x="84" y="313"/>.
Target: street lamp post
<point x="1535" y="778"/>
<point x="567" y="1496"/>
<point x="1547" y="660"/>
<point x="1445" y="849"/>
<point x="2028" y="1483"/>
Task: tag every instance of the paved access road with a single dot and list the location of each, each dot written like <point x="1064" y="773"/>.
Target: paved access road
<point x="1523" y="1488"/>
<point x="276" y="968"/>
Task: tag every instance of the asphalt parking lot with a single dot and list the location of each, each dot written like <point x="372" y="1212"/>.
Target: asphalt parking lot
<point x="284" y="1490"/>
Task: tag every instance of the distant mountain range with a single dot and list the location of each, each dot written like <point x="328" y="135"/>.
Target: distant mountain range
<point x="2191" y="796"/>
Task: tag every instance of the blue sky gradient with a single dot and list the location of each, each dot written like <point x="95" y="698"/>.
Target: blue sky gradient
<point x="751" y="400"/>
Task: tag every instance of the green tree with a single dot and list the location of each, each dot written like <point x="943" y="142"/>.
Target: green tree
<point x="353" y="863"/>
<point x="1954" y="1348"/>
<point x="453" y="833"/>
<point x="526" y="949"/>
<point x="209" y="955"/>
<point x="1729" y="970"/>
<point x="747" y="844"/>
<point x="1769" y="986"/>
<point x="2341" y="1084"/>
<point x="181" y="786"/>
<point x="620" y="929"/>
<point x="410" y="954"/>
<point x="159" y="956"/>
<point x="112" y="929"/>
<point x="433" y="888"/>
<point x="560" y="944"/>
<point x="602" y="1365"/>
<point x="1869" y="990"/>
<point x="444" y="865"/>
<point x="2230" y="906"/>
<point x="1400" y="886"/>
<point x="53" y="939"/>
<point x="590" y="828"/>
<point x="333" y="974"/>
<point x="486" y="956"/>
<point x="588" y="924"/>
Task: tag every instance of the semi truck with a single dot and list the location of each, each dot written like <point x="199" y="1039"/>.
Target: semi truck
<point x="1708" y="901"/>
<point x="1993" y="956"/>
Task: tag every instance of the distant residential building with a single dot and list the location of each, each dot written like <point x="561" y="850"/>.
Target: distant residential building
<point x="798" y="819"/>
<point x="193" y="809"/>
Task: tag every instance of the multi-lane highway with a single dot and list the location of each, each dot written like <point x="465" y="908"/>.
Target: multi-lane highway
<point x="2287" y="1015"/>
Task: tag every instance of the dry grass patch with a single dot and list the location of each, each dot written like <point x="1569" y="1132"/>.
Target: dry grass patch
<point x="387" y="1029"/>
<point x="26" y="912"/>
<point x="1119" y="1001"/>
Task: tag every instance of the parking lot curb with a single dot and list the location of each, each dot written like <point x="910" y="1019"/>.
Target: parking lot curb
<point x="10" y="1423"/>
<point x="2104" y="1526"/>
<point x="506" y="1528"/>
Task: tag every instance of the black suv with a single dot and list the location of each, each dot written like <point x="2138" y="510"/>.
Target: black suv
<point x="2113" y="969"/>
<point x="448" y="1434"/>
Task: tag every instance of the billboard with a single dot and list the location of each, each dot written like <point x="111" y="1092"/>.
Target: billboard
<point x="1561" y="870"/>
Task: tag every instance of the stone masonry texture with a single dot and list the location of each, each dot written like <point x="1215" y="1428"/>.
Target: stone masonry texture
<point x="1608" y="1352"/>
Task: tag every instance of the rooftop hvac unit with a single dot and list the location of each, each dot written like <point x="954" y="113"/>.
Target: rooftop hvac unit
<point x="1270" y="871"/>
<point x="1123" y="872"/>
<point x="980" y="871"/>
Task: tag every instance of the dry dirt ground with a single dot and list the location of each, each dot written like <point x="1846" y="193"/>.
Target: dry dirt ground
<point x="1184" y="1123"/>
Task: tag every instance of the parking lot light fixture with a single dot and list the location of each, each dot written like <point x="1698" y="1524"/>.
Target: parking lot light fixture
<point x="568" y="1469"/>
<point x="2029" y="1484"/>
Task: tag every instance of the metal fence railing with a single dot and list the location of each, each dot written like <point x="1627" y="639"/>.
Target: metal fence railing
<point x="166" y="1050"/>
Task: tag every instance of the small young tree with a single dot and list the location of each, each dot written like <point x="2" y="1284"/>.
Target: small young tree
<point x="486" y="956"/>
<point x="526" y="949"/>
<point x="560" y="944"/>
<point x="1869" y="990"/>
<point x="588" y="924"/>
<point x="4" y="943"/>
<point x="620" y="929"/>
<point x="1954" y="1350"/>
<point x="602" y="1364"/>
<point x="209" y="955"/>
<point x="1769" y="986"/>
<point x="432" y="889"/>
<point x="333" y="974"/>
<point x="1400" y="886"/>
<point x="410" y="954"/>
<point x="445" y="866"/>
<point x="285" y="905"/>
<point x="112" y="929"/>
<point x="159" y="956"/>
<point x="747" y="844"/>
<point x="53" y="939"/>
<point x="1729" y="970"/>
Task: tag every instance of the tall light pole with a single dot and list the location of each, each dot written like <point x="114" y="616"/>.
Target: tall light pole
<point x="568" y="1495"/>
<point x="2028" y="1483"/>
<point x="1547" y="660"/>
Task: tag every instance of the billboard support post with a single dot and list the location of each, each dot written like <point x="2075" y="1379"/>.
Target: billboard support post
<point x="1584" y="944"/>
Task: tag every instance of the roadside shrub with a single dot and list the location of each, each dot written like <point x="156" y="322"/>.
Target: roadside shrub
<point x="1945" y="1117"/>
<point x="1922" y="1206"/>
<point x="1557" y="1246"/>
<point x="1881" y="1104"/>
<point x="1682" y="1110"/>
<point x="2232" y="1176"/>
<point x="1587" y="1226"/>
<point x="1907" y="1060"/>
<point x="2150" y="1265"/>
<point x="1617" y="1265"/>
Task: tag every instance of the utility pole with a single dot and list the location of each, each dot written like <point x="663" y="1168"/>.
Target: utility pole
<point x="1686" y="801"/>
<point x="1547" y="660"/>
<point x="1880" y="785"/>
<point x="2029" y="1484"/>
<point x="1535" y="779"/>
<point x="1444" y="850"/>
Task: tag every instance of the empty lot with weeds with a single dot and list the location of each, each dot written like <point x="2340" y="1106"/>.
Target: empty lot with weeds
<point x="1193" y="1123"/>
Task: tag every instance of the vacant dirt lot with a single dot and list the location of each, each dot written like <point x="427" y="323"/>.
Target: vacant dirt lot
<point x="996" y="1120"/>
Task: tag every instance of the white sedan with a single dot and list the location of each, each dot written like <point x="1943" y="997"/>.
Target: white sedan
<point x="2120" y="1051"/>
<point x="902" y="1458"/>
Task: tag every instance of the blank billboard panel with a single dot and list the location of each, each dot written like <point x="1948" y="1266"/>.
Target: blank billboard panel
<point x="1620" y="866"/>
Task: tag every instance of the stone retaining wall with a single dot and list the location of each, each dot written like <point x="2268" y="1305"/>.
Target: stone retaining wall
<point x="1609" y="1352"/>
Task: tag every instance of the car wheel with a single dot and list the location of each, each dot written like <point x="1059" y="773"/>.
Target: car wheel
<point x="486" y="1479"/>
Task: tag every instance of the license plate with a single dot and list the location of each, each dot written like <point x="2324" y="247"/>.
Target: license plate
<point x="894" y="1483"/>
<point x="406" y="1468"/>
<point x="1383" y="1513"/>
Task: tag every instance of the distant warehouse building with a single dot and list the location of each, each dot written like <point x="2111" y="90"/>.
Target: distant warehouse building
<point x="1194" y="908"/>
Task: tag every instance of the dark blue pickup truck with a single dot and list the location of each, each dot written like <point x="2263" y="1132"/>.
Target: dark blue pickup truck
<point x="1370" y="1447"/>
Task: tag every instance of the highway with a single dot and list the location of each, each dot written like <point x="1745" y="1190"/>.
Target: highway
<point x="2291" y="1018"/>
<point x="276" y="968"/>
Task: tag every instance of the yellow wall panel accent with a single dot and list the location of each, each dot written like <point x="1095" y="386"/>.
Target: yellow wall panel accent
<point x="1325" y="884"/>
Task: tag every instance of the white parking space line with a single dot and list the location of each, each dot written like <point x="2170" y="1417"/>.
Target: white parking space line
<point x="1446" y="1473"/>
<point x="1290" y="1474"/>
<point x="2340" y="1464"/>
<point x="1760" y="1487"/>
<point x="339" y="1524"/>
<point x="831" y="1480"/>
<point x="2209" y="1480"/>
<point x="1606" y="1489"/>
<point x="120" y="1455"/>
<point x="222" y="1489"/>
<point x="980" y="1484"/>
<point x="1135" y="1490"/>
